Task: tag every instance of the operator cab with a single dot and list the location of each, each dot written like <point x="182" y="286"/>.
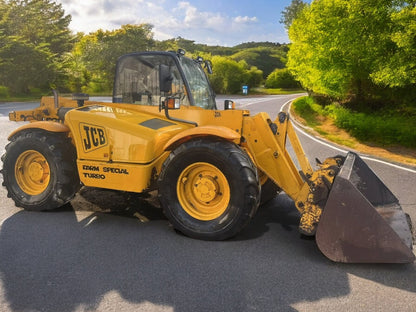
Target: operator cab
<point x="147" y="78"/>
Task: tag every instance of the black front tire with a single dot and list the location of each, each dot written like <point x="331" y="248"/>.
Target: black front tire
<point x="238" y="184"/>
<point x="39" y="170"/>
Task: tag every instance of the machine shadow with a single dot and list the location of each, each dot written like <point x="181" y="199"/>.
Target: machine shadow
<point x="280" y="210"/>
<point x="70" y="260"/>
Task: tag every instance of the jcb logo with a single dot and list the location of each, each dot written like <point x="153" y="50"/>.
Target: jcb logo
<point x="92" y="137"/>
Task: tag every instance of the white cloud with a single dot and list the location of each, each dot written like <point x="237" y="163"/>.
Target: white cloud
<point x="245" y="19"/>
<point x="169" y="21"/>
<point x="195" y="19"/>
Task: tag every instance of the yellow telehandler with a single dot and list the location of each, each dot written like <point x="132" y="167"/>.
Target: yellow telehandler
<point x="211" y="167"/>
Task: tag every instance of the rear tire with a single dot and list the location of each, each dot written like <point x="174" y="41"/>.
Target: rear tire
<point x="39" y="170"/>
<point x="209" y="189"/>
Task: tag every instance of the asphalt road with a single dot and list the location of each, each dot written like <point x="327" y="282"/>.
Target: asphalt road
<point x="84" y="258"/>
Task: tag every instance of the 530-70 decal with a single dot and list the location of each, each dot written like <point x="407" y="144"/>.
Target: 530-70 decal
<point x="92" y="137"/>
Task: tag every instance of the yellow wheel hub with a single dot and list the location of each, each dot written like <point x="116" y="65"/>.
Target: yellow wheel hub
<point x="203" y="191"/>
<point x="32" y="172"/>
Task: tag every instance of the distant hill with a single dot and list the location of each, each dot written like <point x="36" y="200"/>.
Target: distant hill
<point x="266" y="56"/>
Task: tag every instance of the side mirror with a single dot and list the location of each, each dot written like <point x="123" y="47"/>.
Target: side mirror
<point x="165" y="78"/>
<point x="228" y="104"/>
<point x="208" y="66"/>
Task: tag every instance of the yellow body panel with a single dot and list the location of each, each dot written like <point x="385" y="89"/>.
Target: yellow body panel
<point x="123" y="146"/>
<point x="232" y="119"/>
<point x="119" y="176"/>
<point x="112" y="134"/>
<point x="112" y="139"/>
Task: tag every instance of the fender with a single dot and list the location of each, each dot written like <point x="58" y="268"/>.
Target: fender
<point x="202" y="131"/>
<point x="50" y="126"/>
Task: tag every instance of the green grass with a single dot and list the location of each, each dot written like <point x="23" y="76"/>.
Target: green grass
<point x="384" y="128"/>
<point x="26" y="98"/>
<point x="307" y="109"/>
<point x="267" y="91"/>
<point x="30" y="98"/>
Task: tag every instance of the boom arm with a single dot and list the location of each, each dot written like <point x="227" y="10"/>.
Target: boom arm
<point x="266" y="141"/>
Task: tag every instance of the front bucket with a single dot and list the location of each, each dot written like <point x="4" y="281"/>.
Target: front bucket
<point x="362" y="221"/>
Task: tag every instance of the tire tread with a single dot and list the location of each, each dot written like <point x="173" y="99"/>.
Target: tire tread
<point x="63" y="153"/>
<point x="238" y="160"/>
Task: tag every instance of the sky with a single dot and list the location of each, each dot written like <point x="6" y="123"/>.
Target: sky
<point x="212" y="22"/>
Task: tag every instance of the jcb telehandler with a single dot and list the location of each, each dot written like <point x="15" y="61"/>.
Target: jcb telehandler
<point x="211" y="167"/>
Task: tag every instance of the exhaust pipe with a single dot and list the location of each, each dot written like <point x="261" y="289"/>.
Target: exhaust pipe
<point x="55" y="98"/>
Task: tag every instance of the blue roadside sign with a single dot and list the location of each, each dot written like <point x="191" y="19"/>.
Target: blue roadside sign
<point x="245" y="90"/>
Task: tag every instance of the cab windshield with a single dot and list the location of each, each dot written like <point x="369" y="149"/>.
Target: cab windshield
<point x="198" y="83"/>
<point x="137" y="80"/>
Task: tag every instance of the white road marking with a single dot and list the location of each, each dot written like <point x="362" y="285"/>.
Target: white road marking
<point x="252" y="101"/>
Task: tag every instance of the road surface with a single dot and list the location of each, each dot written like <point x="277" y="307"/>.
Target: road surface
<point x="85" y="258"/>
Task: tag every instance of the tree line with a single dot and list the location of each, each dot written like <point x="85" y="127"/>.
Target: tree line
<point x="351" y="51"/>
<point x="356" y="51"/>
<point x="38" y="52"/>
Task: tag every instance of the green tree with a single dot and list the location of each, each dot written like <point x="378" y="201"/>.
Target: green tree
<point x="229" y="75"/>
<point x="338" y="44"/>
<point x="34" y="35"/>
<point x="291" y="12"/>
<point x="253" y="77"/>
<point x="38" y="22"/>
<point x="356" y="49"/>
<point x="398" y="67"/>
<point x="177" y="43"/>
<point x="100" y="50"/>
<point x="264" y="58"/>
<point x="281" y="78"/>
<point x="76" y="72"/>
<point x="25" y="66"/>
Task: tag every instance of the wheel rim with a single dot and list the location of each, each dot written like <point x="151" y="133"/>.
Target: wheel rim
<point x="32" y="172"/>
<point x="203" y="191"/>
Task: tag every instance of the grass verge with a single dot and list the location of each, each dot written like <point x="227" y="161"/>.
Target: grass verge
<point x="266" y="91"/>
<point x="19" y="99"/>
<point x="387" y="135"/>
